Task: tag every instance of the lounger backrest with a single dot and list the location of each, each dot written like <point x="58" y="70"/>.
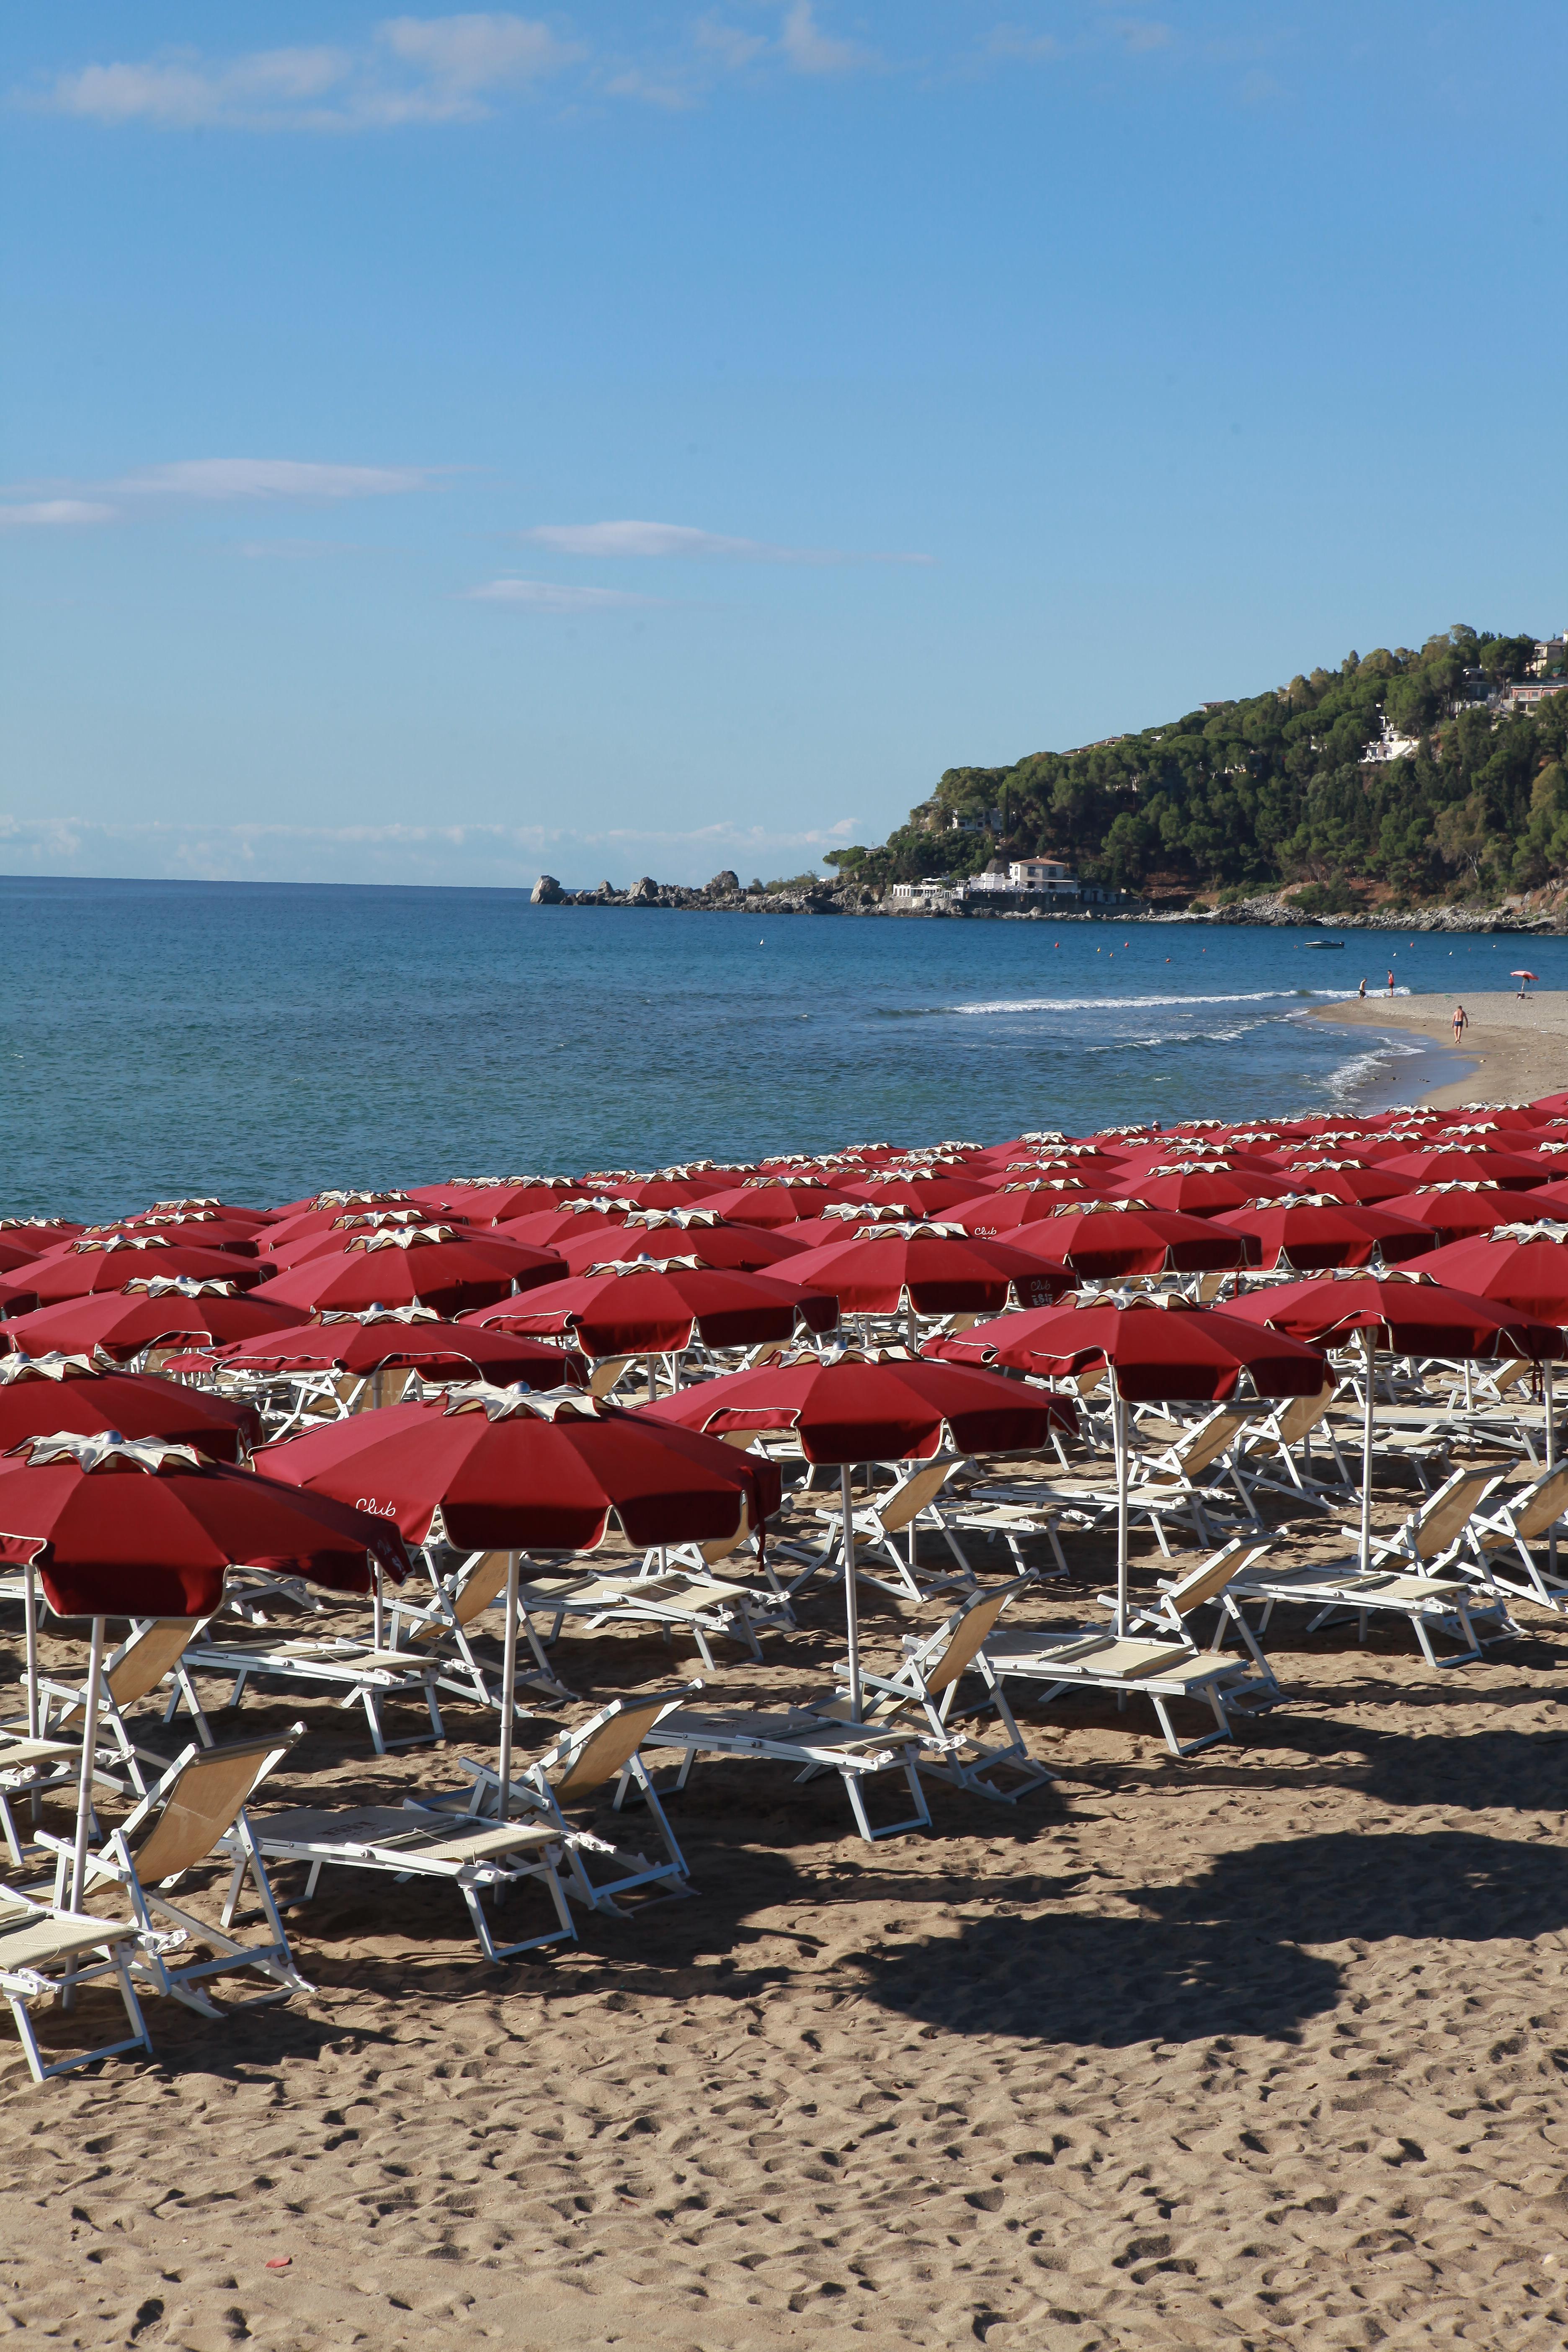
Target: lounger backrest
<point x="1432" y="1529"/>
<point x="967" y="1635"/>
<point x="481" y="1585"/>
<point x="147" y="1658"/>
<point x="610" y="1742"/>
<point x="1210" y="1439"/>
<point x="1505" y="1376"/>
<point x="1087" y="1382"/>
<point x="1206" y="1580"/>
<point x="1543" y="1503"/>
<point x="203" y="1800"/>
<point x="909" y="1498"/>
<point x="1302" y="1414"/>
<point x="606" y="1373"/>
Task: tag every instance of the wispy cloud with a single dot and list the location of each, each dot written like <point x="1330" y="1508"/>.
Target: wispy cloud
<point x="413" y="70"/>
<point x="683" y="540"/>
<point x="435" y="70"/>
<point x="809" y="50"/>
<point x="53" y="514"/>
<point x="486" y="856"/>
<point x="207" y="481"/>
<point x="555" y="597"/>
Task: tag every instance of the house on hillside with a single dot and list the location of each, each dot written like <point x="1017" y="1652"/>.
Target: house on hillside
<point x="1531" y="690"/>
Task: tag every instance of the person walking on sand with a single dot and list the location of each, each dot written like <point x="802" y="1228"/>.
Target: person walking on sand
<point x="1461" y="1022"/>
<point x="1362" y="990"/>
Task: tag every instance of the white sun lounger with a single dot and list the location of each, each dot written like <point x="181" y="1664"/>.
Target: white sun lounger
<point x="44" y="1955"/>
<point x="411" y="1841"/>
<point x="681" y="1600"/>
<point x="1503" y="1530"/>
<point x="354" y="1673"/>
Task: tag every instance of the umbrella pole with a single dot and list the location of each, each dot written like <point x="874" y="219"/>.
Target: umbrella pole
<point x="507" y="1688"/>
<point x="30" y="1618"/>
<point x="852" y="1596"/>
<point x="84" y="1786"/>
<point x="1551" y="1460"/>
<point x="1369" y="1346"/>
<point x="1119" y="1439"/>
<point x="378" y="1605"/>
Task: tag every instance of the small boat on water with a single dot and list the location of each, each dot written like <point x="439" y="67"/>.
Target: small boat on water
<point x="1322" y="943"/>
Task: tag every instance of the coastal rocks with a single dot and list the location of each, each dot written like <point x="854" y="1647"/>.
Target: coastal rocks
<point x="1274" y="911"/>
<point x="546" y="891"/>
<point x="724" y="886"/>
<point x="644" y="892"/>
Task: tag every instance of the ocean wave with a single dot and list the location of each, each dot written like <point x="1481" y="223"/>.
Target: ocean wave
<point x="1132" y="1004"/>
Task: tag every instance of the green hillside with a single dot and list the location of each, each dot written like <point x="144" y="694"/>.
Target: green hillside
<point x="1290" y="786"/>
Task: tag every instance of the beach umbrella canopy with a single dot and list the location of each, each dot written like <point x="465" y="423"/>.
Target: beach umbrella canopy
<point x="774" y="1201"/>
<point x="637" y="1308"/>
<point x="881" y="1404"/>
<point x="426" y="1265"/>
<point x="287" y="1240"/>
<point x="674" y="1188"/>
<point x="544" y="1471"/>
<point x="149" y="1314"/>
<point x="1310" y="1233"/>
<point x="1348" y="1180"/>
<point x="548" y="1228"/>
<point x="658" y="1234"/>
<point x="401" y="1340"/>
<point x="1197" y="1191"/>
<point x="85" y="1266"/>
<point x="491" y="1200"/>
<point x="1432" y="1163"/>
<point x="141" y="1528"/>
<point x="1522" y="1268"/>
<point x="1113" y="1241"/>
<point x="39" y="1394"/>
<point x="201" y="1231"/>
<point x="998" y="1215"/>
<point x="904" y="1195"/>
<point x="1409" y="1317"/>
<point x="201" y="1207"/>
<point x="1161" y="1350"/>
<point x="926" y="1269"/>
<point x="16" y="1253"/>
<point x="1455" y="1211"/>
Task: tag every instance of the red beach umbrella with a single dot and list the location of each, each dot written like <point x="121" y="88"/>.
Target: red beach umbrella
<point x="1113" y="1241"/>
<point x="85" y="1266"/>
<point x="869" y="1405"/>
<point x="635" y="1308"/>
<point x="426" y="1265"/>
<point x="340" y="1197"/>
<point x="201" y="1208"/>
<point x="1520" y="1268"/>
<point x="406" y="1339"/>
<point x="15" y="1253"/>
<point x="156" y="1313"/>
<point x="198" y="1229"/>
<point x="1199" y="1191"/>
<point x="1311" y="1233"/>
<point x="765" y="1200"/>
<point x="40" y="1394"/>
<point x="518" y="1473"/>
<point x="927" y="1269"/>
<point x="929" y="1195"/>
<point x="1156" y="1351"/>
<point x="658" y="1234"/>
<point x="1511" y="1169"/>
<point x="1349" y="1181"/>
<point x="674" y="1188"/>
<point x="492" y="1199"/>
<point x="286" y="1241"/>
<point x="548" y="1228"/>
<point x="1410" y="1316"/>
<point x="1455" y="1210"/>
<point x="993" y="1216"/>
<point x="145" y="1529"/>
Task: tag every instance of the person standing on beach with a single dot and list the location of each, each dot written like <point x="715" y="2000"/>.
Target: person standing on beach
<point x="1461" y="1022"/>
<point x="1391" y="983"/>
<point x="1362" y="990"/>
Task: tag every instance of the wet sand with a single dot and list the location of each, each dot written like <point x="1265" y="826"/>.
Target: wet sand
<point x="1262" y="2049"/>
<point x="1517" y="1051"/>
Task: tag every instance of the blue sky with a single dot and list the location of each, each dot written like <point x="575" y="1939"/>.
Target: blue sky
<point x="645" y="438"/>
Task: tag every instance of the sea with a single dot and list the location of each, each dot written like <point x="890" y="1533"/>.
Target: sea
<point x="258" y="1042"/>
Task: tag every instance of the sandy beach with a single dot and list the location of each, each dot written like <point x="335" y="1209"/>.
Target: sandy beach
<point x="1260" y="2049"/>
<point x="1517" y="1051"/>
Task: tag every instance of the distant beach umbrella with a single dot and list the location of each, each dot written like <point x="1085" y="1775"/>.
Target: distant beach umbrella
<point x="429" y="1266"/>
<point x="656" y="1233"/>
<point x="1455" y="1211"/>
<point x="1430" y="1165"/>
<point x="637" y="1308"/>
<point x="1028" y="1201"/>
<point x="1197" y="1191"/>
<point x="153" y="1314"/>
<point x="923" y="1196"/>
<point x="1116" y="1241"/>
<point x="927" y="1269"/>
<point x="85" y="1266"/>
<point x="546" y="1228"/>
<point x="1348" y="1180"/>
<point x="766" y="1201"/>
<point x="1311" y="1233"/>
<point x="491" y="1200"/>
<point x="191" y="1228"/>
<point x="43" y="1394"/>
<point x="673" y="1189"/>
<point x="368" y="1344"/>
<point x="285" y="1241"/>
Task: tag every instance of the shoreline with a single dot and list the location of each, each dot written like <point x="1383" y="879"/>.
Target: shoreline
<point x="1515" y="1051"/>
